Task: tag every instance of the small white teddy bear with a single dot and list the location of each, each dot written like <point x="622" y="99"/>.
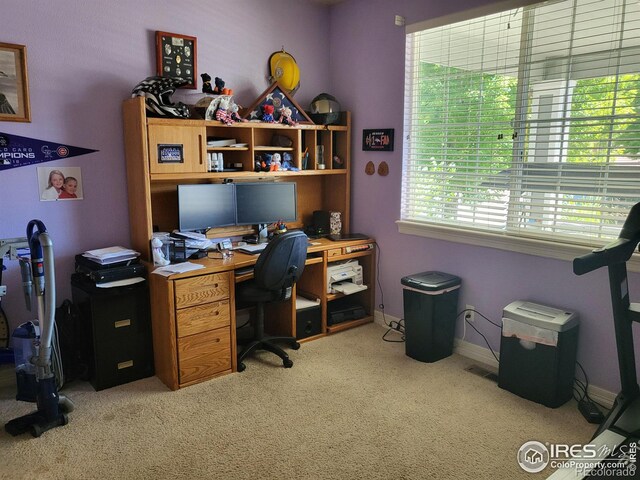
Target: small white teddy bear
<point x="158" y="256"/>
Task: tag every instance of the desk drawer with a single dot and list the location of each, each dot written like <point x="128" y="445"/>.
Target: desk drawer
<point x="201" y="318"/>
<point x="334" y="252"/>
<point x="202" y="289"/>
<point x="204" y="354"/>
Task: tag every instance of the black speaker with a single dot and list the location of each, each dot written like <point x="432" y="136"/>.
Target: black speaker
<point x="321" y="219"/>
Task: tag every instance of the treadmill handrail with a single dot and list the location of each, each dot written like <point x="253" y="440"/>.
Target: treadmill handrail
<point x="618" y="251"/>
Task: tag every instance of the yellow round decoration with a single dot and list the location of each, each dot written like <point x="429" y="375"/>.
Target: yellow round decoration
<point x="284" y="70"/>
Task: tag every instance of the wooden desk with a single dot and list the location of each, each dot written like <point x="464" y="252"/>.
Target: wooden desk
<point x="193" y="313"/>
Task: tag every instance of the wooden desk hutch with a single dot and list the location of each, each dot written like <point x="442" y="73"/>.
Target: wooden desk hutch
<point x="193" y="313"/>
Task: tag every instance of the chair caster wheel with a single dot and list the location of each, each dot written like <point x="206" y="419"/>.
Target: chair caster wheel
<point x="287" y="363"/>
<point x="295" y="346"/>
<point x="241" y="367"/>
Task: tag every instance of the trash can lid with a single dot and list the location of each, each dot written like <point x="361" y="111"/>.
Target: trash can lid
<point x="431" y="281"/>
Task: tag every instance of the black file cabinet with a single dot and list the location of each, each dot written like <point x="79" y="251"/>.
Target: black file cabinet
<point x="118" y="330"/>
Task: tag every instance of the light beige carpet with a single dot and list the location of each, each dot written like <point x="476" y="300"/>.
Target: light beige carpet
<point x="352" y="407"/>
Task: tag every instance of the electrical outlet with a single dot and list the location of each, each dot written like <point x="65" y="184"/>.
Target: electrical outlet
<point x="470" y="314"/>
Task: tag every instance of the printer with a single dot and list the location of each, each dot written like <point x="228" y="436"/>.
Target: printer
<point x="345" y="277"/>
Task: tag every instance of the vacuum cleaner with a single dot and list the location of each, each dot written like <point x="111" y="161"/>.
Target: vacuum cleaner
<point x="52" y="408"/>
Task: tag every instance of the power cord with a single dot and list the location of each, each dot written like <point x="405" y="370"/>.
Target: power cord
<point x="467" y="315"/>
<point x="587" y="406"/>
<point x="399" y="326"/>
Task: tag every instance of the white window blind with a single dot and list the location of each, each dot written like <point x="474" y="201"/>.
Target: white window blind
<point x="526" y="123"/>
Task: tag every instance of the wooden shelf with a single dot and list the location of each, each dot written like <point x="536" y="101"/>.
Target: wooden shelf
<point x="177" y="177"/>
<point x="227" y="149"/>
<point x="349" y="324"/>
<point x="267" y="148"/>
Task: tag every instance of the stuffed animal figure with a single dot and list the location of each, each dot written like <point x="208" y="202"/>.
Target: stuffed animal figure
<point x="158" y="256"/>
<point x="206" y="83"/>
<point x="219" y="86"/>
<point x="233" y="113"/>
<point x="222" y="113"/>
<point x="267" y="113"/>
<point x="275" y="163"/>
<point x="285" y="116"/>
<point x="265" y="162"/>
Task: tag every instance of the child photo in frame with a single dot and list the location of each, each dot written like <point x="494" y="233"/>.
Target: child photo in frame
<point x="60" y="183"/>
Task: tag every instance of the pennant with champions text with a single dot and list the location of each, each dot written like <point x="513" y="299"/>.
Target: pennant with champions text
<point x="17" y="151"/>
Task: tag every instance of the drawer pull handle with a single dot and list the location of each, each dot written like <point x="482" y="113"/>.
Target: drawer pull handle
<point x="127" y="364"/>
<point x="216" y="340"/>
<point x="122" y="323"/>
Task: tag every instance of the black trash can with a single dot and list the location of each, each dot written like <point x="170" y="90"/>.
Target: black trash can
<point x="430" y="308"/>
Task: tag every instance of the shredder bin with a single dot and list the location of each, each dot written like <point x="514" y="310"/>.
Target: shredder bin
<point x="538" y="349"/>
<point x="430" y="306"/>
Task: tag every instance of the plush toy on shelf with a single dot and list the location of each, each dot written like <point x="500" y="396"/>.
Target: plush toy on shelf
<point x="275" y="163"/>
<point x="285" y="116"/>
<point x="267" y="113"/>
<point x="206" y="83"/>
<point x="219" y="86"/>
<point x="222" y="113"/>
<point x="233" y="113"/>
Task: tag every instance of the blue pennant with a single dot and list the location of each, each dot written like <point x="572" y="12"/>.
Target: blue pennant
<point x="17" y="151"/>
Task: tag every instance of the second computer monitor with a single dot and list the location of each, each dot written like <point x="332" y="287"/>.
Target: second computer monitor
<point x="266" y="202"/>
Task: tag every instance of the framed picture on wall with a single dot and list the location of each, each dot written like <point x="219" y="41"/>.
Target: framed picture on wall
<point x="60" y="183"/>
<point x="14" y="84"/>
<point x="176" y="57"/>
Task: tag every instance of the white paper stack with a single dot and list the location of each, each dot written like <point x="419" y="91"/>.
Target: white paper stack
<point x="109" y="255"/>
<point x="177" y="268"/>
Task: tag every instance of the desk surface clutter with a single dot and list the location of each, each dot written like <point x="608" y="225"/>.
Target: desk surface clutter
<point x="194" y="311"/>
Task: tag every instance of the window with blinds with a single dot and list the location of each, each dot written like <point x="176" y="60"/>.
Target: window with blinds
<point x="526" y="123"/>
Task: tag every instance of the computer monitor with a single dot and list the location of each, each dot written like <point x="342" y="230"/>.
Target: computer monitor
<point x="205" y="206"/>
<point x="266" y="202"/>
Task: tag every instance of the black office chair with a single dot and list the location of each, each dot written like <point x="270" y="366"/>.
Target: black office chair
<point x="279" y="266"/>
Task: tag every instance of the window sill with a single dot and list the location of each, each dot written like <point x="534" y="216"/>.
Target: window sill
<point x="540" y="248"/>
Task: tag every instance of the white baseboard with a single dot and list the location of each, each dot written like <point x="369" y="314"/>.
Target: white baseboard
<point x="484" y="356"/>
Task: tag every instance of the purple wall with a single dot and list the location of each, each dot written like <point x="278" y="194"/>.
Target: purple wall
<point x="84" y="58"/>
<point x="367" y="73"/>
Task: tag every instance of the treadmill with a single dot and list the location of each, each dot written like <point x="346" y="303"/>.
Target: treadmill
<point x="616" y="439"/>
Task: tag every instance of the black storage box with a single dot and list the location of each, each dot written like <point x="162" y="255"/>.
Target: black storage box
<point x="538" y="349"/>
<point x="430" y="304"/>
<point x="308" y="318"/>
<point x="344" y="309"/>
<point x="118" y="326"/>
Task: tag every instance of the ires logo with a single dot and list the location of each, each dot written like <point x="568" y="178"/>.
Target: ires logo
<point x="533" y="457"/>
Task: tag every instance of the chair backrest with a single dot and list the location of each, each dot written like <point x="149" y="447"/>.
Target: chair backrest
<point x="281" y="263"/>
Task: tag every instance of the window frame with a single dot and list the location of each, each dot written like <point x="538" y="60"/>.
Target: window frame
<point x="556" y="249"/>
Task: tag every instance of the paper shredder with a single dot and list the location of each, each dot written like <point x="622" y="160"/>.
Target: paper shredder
<point x="430" y="304"/>
<point x="538" y="352"/>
